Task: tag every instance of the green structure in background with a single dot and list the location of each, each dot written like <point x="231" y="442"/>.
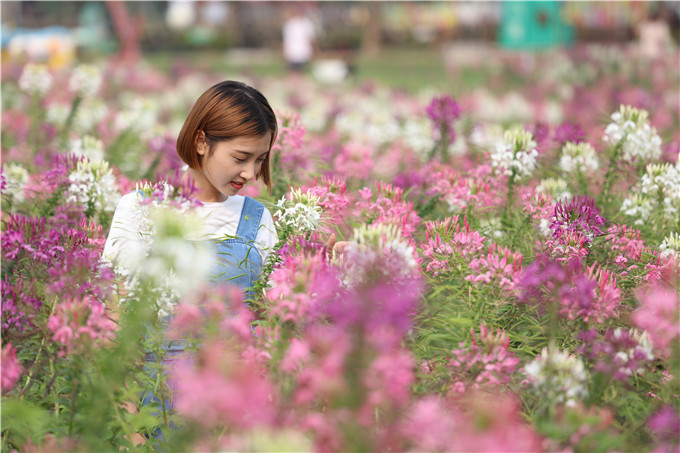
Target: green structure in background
<point x="531" y="25"/>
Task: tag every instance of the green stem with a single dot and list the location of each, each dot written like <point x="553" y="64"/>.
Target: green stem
<point x="609" y="176"/>
<point x="37" y="356"/>
<point x="508" y="203"/>
<point x="64" y="135"/>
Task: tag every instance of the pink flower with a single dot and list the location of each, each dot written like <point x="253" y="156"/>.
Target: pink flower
<point x="500" y="265"/>
<point x="487" y="362"/>
<point x="659" y="315"/>
<point x="77" y="323"/>
<point x="11" y="368"/>
<point x="220" y="390"/>
<point x="444" y="246"/>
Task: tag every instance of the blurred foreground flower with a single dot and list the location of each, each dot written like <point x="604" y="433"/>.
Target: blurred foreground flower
<point x="11" y="368"/>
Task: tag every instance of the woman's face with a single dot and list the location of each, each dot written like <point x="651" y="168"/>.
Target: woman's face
<point x="231" y="165"/>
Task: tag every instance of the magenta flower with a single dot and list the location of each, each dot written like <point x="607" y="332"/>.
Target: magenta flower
<point x="568" y="132"/>
<point x="665" y="425"/>
<point x="443" y="111"/>
<point x="11" y="368"/>
<point x="620" y="353"/>
<point x="580" y="214"/>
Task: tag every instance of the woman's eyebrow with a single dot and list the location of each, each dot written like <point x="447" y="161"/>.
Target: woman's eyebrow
<point x="264" y="153"/>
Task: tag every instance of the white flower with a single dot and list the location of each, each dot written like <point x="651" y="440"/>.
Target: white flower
<point x="174" y="261"/>
<point x="559" y="376"/>
<point x="641" y="143"/>
<point x="417" y="134"/>
<point x="376" y="248"/>
<point x="659" y="184"/>
<point x="556" y="187"/>
<point x="140" y="116"/>
<point x="516" y="154"/>
<point x="35" y="79"/>
<point x="578" y="157"/>
<point x="670" y="246"/>
<point x="85" y="80"/>
<point x="93" y="186"/>
<point x="302" y="212"/>
<point x="638" y="206"/>
<point x="57" y="113"/>
<point x="88" y="147"/>
<point x="16" y="178"/>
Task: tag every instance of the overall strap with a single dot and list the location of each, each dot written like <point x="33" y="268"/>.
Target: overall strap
<point x="251" y="215"/>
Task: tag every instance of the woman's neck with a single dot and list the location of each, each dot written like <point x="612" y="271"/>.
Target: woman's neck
<point x="205" y="191"/>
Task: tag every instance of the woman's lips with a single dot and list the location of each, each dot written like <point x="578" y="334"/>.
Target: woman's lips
<point x="237" y="185"/>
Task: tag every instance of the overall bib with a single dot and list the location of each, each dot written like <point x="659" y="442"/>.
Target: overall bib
<point x="238" y="263"/>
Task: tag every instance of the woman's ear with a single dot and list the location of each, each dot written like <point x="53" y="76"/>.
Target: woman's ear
<point x="200" y="143"/>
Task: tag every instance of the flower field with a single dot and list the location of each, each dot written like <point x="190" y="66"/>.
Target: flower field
<point x="509" y="280"/>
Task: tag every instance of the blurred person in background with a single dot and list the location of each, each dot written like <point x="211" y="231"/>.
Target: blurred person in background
<point x="299" y="39"/>
<point x="654" y="35"/>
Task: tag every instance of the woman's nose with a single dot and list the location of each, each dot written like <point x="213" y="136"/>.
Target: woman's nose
<point x="248" y="172"/>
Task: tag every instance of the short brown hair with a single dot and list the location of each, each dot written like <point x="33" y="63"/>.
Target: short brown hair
<point x="225" y="111"/>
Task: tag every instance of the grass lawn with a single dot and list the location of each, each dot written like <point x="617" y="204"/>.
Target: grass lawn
<point x="409" y="69"/>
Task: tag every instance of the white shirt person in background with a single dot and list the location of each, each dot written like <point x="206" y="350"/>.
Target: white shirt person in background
<point x="299" y="39"/>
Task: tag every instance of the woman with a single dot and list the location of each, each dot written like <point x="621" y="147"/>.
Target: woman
<point x="226" y="143"/>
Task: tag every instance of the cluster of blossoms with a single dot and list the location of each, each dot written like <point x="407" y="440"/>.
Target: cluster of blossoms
<point x="14" y="178"/>
<point x="670" y="247"/>
<point x="388" y="208"/>
<point x="580" y="214"/>
<point x="627" y="243"/>
<point x="88" y="147"/>
<point x="300" y="212"/>
<point x="568" y="133"/>
<point x="556" y="187"/>
<point x="375" y="244"/>
<point x="641" y="142"/>
<point x="621" y="353"/>
<point x="659" y="316"/>
<point x="515" y="154"/>
<point x="85" y="80"/>
<point x="11" y="368"/>
<point x="443" y="111"/>
<point x="590" y="296"/>
<point x="461" y="192"/>
<point x="657" y="191"/>
<point x="445" y="245"/>
<point x="65" y="253"/>
<point x="93" y="186"/>
<point x="578" y="157"/>
<point x="300" y="286"/>
<point x="558" y="376"/>
<point x="290" y="139"/>
<point x="35" y="79"/>
<point x="77" y="323"/>
<point x="333" y="197"/>
<point x="487" y="362"/>
<point x="500" y="265"/>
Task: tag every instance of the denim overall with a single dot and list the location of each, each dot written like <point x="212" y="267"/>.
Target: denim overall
<point x="238" y="263"/>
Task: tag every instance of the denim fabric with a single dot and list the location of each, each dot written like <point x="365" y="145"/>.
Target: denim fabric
<point x="238" y="264"/>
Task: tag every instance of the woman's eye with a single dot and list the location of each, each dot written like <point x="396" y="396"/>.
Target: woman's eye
<point x="239" y="160"/>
